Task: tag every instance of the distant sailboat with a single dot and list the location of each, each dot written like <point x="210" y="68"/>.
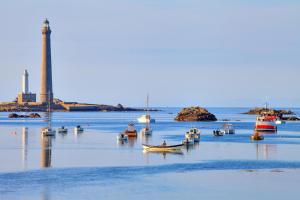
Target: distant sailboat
<point x="146" y="118"/>
<point x="48" y="131"/>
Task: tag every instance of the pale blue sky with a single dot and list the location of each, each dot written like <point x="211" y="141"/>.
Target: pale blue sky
<point x="183" y="52"/>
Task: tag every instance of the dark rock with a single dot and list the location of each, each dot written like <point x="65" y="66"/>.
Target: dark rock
<point x="13" y="115"/>
<point x="34" y="115"/>
<point x="195" y="114"/>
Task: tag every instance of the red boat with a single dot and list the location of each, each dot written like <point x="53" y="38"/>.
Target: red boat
<point x="266" y="123"/>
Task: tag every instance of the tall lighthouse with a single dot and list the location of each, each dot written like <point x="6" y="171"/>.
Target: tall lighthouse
<point x="46" y="72"/>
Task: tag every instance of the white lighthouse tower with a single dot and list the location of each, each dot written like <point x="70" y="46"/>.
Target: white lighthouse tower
<point x="25" y="86"/>
<point x="25" y="96"/>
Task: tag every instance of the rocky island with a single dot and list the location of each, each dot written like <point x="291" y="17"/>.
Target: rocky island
<point x="268" y="111"/>
<point x="61" y="106"/>
<point x="286" y="115"/>
<point x="195" y="114"/>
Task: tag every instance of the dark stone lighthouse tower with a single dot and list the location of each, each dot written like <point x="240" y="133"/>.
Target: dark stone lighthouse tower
<point x="46" y="75"/>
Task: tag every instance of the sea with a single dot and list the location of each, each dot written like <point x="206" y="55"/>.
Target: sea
<point x="94" y="165"/>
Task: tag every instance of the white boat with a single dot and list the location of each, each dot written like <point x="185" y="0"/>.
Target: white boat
<point x="62" y="130"/>
<point x="48" y="131"/>
<point x="78" y="129"/>
<point x="122" y="137"/>
<point x="228" y="129"/>
<point x="188" y="141"/>
<point x="194" y="134"/>
<point x="279" y="121"/>
<point x="146" y="118"/>
<point x="218" y="132"/>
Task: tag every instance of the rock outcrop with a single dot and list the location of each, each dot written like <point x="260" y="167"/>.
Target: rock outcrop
<point x="32" y="115"/>
<point x="268" y="111"/>
<point x="195" y="114"/>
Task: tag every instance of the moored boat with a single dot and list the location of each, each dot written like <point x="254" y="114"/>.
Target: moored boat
<point x="48" y="131"/>
<point x="122" y="137"/>
<point x="266" y="123"/>
<point x="62" y="130"/>
<point x="194" y="134"/>
<point x="228" y="129"/>
<point x="78" y="129"/>
<point x="162" y="148"/>
<point x="256" y="136"/>
<point x="218" y="132"/>
<point x="146" y="118"/>
<point x="188" y="141"/>
<point x="130" y="131"/>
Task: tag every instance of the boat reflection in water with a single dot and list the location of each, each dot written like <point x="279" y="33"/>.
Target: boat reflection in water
<point x="266" y="151"/>
<point x="130" y="142"/>
<point x="189" y="148"/>
<point x="146" y="139"/>
<point x="46" y="151"/>
<point x="24" y="146"/>
<point x="164" y="154"/>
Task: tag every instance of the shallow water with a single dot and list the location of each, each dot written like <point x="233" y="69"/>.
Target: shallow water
<point x="93" y="165"/>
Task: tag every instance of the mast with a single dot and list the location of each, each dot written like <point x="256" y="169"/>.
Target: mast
<point x="49" y="110"/>
<point x="147" y="112"/>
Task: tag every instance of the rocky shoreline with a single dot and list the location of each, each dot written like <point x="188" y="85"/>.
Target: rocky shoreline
<point x="195" y="114"/>
<point x="66" y="107"/>
<point x="32" y="115"/>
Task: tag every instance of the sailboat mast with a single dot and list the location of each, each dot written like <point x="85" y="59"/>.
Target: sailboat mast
<point x="49" y="110"/>
<point x="147" y="104"/>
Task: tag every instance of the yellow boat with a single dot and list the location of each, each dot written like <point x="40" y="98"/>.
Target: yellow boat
<point x="162" y="148"/>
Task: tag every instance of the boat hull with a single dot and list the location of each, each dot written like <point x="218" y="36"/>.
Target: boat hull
<point x="162" y="148"/>
<point x="131" y="133"/>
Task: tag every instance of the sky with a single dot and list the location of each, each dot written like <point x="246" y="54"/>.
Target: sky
<point x="211" y="53"/>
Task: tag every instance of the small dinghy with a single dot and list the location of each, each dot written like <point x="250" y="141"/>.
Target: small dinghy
<point x="122" y="137"/>
<point x="163" y="148"/>
<point x="188" y="141"/>
<point x="228" y="129"/>
<point x="78" y="129"/>
<point x="62" y="130"/>
<point x="47" y="131"/>
<point x="218" y="132"/>
<point x="130" y="131"/>
<point x="256" y="136"/>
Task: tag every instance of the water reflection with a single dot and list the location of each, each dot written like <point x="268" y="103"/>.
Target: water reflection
<point x="146" y="139"/>
<point x="24" y="146"/>
<point x="164" y="154"/>
<point x="189" y="148"/>
<point x="46" y="151"/>
<point x="266" y="151"/>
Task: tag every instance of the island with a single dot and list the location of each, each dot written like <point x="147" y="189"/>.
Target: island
<point x="62" y="106"/>
<point x="286" y="115"/>
<point x="195" y="114"/>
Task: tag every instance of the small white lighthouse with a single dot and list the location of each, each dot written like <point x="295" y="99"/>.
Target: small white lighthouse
<point x="25" y="96"/>
<point x="25" y="86"/>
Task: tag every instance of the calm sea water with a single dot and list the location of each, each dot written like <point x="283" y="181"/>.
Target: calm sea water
<point x="93" y="165"/>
